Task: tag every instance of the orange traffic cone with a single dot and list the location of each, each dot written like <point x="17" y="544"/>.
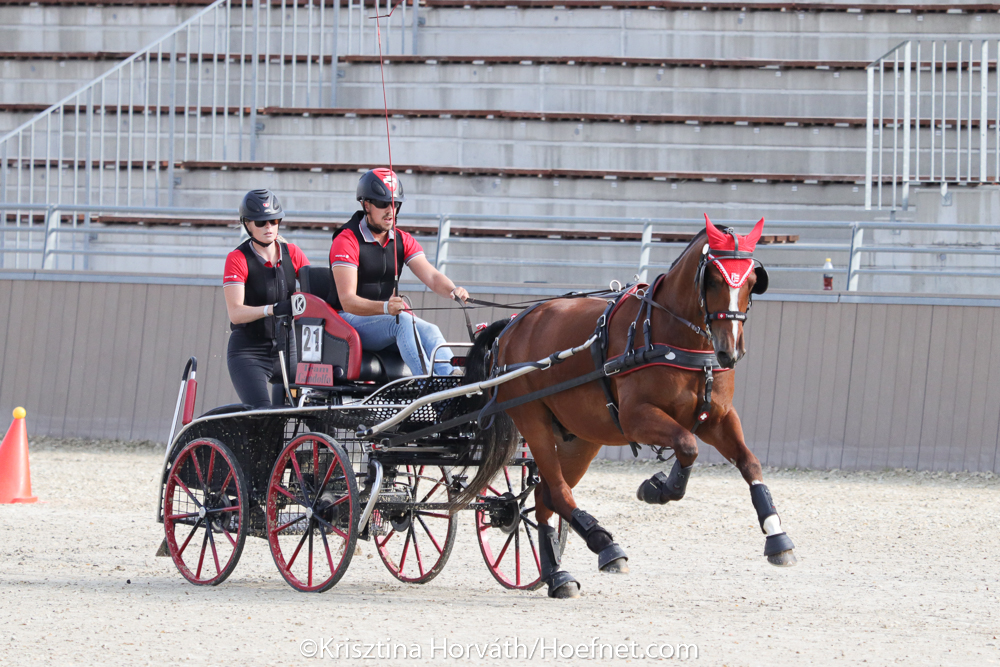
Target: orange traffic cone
<point x="15" y="475"/>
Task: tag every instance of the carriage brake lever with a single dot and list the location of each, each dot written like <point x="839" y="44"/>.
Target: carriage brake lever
<point x="373" y="496"/>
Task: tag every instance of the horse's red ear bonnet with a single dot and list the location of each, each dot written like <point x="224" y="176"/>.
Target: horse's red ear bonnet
<point x="735" y="270"/>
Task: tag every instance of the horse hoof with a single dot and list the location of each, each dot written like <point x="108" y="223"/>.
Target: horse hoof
<point x="650" y="491"/>
<point x="617" y="566"/>
<point x="783" y="559"/>
<point x="566" y="591"/>
<point x="562" y="585"/>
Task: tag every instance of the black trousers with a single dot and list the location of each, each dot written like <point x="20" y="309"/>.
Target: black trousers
<point x="253" y="364"/>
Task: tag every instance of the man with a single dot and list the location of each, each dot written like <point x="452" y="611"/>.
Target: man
<point x="367" y="255"/>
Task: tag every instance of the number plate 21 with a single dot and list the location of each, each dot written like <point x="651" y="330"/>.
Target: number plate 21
<point x="312" y="342"/>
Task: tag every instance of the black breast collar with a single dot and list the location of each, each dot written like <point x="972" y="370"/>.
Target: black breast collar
<point x="652" y="354"/>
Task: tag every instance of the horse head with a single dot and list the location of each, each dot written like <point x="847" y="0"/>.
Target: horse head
<point x="726" y="278"/>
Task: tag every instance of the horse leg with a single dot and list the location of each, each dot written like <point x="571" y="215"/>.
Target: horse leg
<point x="575" y="457"/>
<point x="648" y="423"/>
<point x="727" y="437"/>
<point x="552" y="495"/>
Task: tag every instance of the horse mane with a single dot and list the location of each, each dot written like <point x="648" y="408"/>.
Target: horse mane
<point x="697" y="237"/>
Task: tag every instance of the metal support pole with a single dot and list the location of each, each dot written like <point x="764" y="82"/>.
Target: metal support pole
<point x="333" y="53"/>
<point x="87" y="176"/>
<point x="907" y="62"/>
<point x="983" y="100"/>
<point x="253" y="80"/>
<point x="172" y="123"/>
<point x="644" y="248"/>
<point x="416" y="20"/>
<point x="854" y="263"/>
<point x="444" y="237"/>
<point x="869" y="138"/>
<point x="51" y="229"/>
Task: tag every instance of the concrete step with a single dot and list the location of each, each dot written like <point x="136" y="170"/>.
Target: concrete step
<point x="527" y="195"/>
<point x="75" y="28"/>
<point x="482" y="31"/>
<point x="512" y="144"/>
<point x="506" y="143"/>
<point x="585" y="88"/>
<point x="442" y="190"/>
<point x="688" y="33"/>
<point x="642" y="87"/>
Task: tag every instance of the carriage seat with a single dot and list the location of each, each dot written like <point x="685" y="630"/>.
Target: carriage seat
<point x="340" y="346"/>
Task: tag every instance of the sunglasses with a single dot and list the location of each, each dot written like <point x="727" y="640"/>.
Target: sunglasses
<point x="381" y="205"/>
<point x="261" y="224"/>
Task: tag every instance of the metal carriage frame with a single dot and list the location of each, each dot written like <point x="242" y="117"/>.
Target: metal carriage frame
<point x="313" y="479"/>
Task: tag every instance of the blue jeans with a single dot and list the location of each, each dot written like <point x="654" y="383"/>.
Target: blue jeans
<point x="378" y="332"/>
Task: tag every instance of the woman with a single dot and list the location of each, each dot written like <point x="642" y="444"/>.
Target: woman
<point x="258" y="282"/>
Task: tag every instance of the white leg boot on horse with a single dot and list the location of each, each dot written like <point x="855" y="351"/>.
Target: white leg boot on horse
<point x="726" y="435"/>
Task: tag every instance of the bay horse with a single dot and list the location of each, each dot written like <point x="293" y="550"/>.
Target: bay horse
<point x="671" y="349"/>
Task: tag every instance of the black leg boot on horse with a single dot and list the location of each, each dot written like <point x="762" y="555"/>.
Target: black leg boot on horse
<point x="660" y="489"/>
<point x="560" y="582"/>
<point x="611" y="558"/>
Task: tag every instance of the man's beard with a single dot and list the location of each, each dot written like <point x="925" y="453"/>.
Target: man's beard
<point x="376" y="229"/>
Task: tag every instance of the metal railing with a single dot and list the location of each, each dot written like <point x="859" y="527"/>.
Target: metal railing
<point x="42" y="246"/>
<point x="942" y="111"/>
<point x="192" y="94"/>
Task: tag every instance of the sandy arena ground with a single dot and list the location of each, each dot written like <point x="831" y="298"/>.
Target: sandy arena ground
<point x="894" y="568"/>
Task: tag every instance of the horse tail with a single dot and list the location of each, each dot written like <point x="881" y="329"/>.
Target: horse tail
<point x="500" y="438"/>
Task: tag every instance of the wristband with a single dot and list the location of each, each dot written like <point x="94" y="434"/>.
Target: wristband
<point x="266" y="307"/>
<point x="385" y="307"/>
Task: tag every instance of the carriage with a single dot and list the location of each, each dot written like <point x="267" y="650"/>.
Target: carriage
<point x="368" y="452"/>
<point x="364" y="450"/>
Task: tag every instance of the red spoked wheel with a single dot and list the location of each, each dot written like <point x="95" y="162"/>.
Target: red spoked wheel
<point x="205" y="512"/>
<point x="414" y="532"/>
<point x="312" y="512"/>
<point x="506" y="527"/>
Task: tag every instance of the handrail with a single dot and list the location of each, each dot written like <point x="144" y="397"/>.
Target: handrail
<point x="113" y="70"/>
<point x="921" y="89"/>
<point x="853" y="248"/>
<point x="229" y="59"/>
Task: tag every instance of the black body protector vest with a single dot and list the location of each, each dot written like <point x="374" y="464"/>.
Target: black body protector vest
<point x="264" y="285"/>
<point x="377" y="270"/>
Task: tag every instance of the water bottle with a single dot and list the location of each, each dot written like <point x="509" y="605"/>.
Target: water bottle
<point x="828" y="274"/>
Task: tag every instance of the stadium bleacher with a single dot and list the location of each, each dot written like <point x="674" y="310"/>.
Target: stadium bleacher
<point x="521" y="107"/>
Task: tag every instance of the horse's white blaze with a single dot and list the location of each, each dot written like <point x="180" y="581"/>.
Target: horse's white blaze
<point x="772" y="525"/>
<point x="734" y="305"/>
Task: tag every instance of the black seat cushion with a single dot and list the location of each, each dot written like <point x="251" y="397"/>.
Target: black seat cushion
<point x="383" y="365"/>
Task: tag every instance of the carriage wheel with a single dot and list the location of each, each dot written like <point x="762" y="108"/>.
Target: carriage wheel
<point x="416" y="544"/>
<point x="312" y="512"/>
<point x="508" y="533"/>
<point x="205" y="512"/>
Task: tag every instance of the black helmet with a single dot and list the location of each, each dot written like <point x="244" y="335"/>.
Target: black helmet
<point x="380" y="185"/>
<point x="260" y="205"/>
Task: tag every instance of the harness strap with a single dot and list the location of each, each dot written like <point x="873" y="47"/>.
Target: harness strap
<point x="705" y="408"/>
<point x="599" y="353"/>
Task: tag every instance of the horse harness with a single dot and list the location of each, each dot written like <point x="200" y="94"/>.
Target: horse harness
<point x="661" y="354"/>
<point x="650" y="354"/>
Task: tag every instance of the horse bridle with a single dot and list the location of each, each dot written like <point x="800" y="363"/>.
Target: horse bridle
<point x="708" y="256"/>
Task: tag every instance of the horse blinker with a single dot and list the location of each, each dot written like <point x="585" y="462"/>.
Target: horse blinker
<point x="760" y="286"/>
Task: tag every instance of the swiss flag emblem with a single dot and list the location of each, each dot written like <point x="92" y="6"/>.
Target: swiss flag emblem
<point x="388" y="177"/>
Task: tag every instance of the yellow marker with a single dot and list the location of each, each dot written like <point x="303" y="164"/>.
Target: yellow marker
<point x="19" y="413"/>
